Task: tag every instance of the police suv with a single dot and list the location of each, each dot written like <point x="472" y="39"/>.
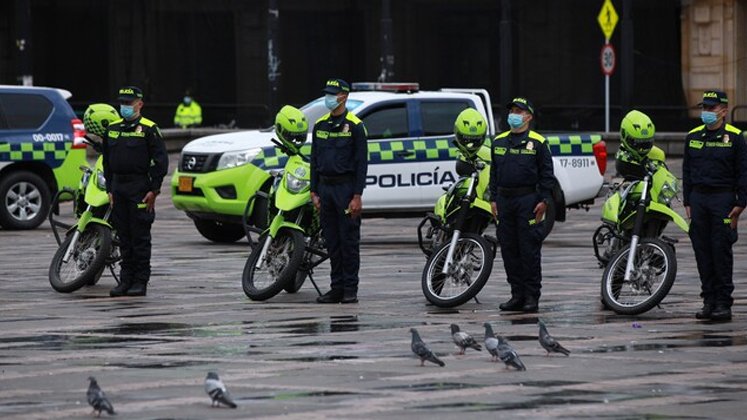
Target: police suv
<point x="410" y="152"/>
<point x="41" y="151"/>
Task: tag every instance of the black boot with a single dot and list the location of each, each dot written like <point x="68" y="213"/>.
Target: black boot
<point x="349" y="297"/>
<point x="705" y="312"/>
<point x="721" y="312"/>
<point x="513" y="304"/>
<point x="531" y="304"/>
<point x="120" y="289"/>
<point x="137" y="289"/>
<point x="333" y="296"/>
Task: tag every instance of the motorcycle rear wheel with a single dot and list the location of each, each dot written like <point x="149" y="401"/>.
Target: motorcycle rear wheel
<point x="86" y="262"/>
<point x="282" y="261"/>
<point x="473" y="262"/>
<point x="653" y="275"/>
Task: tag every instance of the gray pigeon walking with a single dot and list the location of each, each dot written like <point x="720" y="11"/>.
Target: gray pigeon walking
<point x="463" y="340"/>
<point x="97" y="399"/>
<point x="508" y="355"/>
<point x="423" y="352"/>
<point x="217" y="391"/>
<point x="491" y="343"/>
<point x="548" y="342"/>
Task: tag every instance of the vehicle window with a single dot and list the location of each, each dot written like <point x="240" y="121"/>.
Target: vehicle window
<point x="388" y="122"/>
<point x="438" y="116"/>
<point x="25" y="111"/>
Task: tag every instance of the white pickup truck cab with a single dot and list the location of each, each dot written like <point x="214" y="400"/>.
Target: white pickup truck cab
<point x="410" y="150"/>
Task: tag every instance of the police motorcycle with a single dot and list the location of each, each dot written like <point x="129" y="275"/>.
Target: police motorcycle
<point x="459" y="256"/>
<point x="88" y="247"/>
<point x="639" y="260"/>
<point x="290" y="245"/>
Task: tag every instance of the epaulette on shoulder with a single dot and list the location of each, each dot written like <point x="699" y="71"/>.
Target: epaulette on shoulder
<point x="323" y="118"/>
<point x="696" y="129"/>
<point x="730" y="128"/>
<point x="146" y="122"/>
<point x="536" y="136"/>
<point x="353" y="118"/>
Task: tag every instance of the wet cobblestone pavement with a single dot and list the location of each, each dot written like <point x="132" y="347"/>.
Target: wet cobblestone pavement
<point x="290" y="357"/>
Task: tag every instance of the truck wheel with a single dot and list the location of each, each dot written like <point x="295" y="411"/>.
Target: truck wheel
<point x="24" y="200"/>
<point x="218" y="231"/>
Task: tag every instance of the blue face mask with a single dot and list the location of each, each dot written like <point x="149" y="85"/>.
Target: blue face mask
<point x="708" y="117"/>
<point x="515" y="120"/>
<point x="330" y="101"/>
<point x="127" y="111"/>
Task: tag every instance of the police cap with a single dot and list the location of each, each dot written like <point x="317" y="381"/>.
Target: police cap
<point x="335" y="86"/>
<point x="522" y="103"/>
<point x="130" y="93"/>
<point x="714" y="97"/>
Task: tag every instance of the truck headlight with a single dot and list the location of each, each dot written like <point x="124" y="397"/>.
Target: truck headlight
<point x="100" y="181"/>
<point x="233" y="159"/>
<point x="294" y="184"/>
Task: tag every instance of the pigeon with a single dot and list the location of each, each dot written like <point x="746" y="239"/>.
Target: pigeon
<point x="463" y="340"/>
<point x="423" y="352"/>
<point x="97" y="399"/>
<point x="491" y="343"/>
<point x="508" y="355"/>
<point x="217" y="391"/>
<point x="548" y="342"/>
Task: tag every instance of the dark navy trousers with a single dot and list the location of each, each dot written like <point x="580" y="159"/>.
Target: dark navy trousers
<point x="520" y="239"/>
<point x="712" y="238"/>
<point x="342" y="235"/>
<point x="133" y="222"/>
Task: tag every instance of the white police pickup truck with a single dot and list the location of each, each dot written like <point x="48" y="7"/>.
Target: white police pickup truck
<point x="411" y="156"/>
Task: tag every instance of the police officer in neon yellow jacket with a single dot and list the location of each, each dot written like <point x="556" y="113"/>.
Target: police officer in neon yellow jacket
<point x="521" y="183"/>
<point x="188" y="113"/>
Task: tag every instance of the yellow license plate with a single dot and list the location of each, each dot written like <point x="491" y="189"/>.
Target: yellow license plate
<point x="186" y="184"/>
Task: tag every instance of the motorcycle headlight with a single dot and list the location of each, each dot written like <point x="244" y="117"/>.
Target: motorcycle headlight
<point x="233" y="159"/>
<point x="295" y="184"/>
<point x="668" y="191"/>
<point x="100" y="181"/>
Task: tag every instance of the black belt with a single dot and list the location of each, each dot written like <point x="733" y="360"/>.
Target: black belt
<point x="704" y="189"/>
<point x="130" y="177"/>
<point x="337" y="179"/>
<point x="516" y="191"/>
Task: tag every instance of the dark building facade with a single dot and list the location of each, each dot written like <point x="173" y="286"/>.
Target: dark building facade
<point x="546" y="50"/>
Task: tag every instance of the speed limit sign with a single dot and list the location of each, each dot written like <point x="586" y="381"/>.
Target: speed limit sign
<point x="608" y="60"/>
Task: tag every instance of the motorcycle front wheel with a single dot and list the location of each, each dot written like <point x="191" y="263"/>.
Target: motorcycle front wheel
<point x="651" y="279"/>
<point x="87" y="260"/>
<point x="279" y="268"/>
<point x="467" y="275"/>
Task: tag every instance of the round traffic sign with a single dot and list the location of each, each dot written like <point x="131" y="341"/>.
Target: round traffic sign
<point x="607" y="59"/>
